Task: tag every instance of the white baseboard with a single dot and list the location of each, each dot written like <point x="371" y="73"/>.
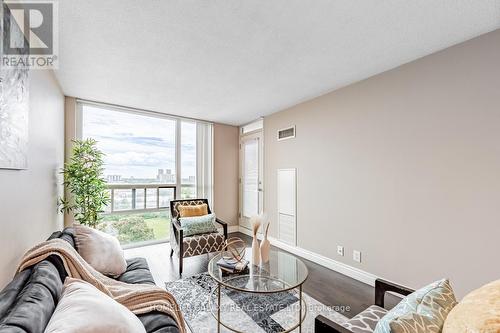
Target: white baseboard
<point x="246" y="231"/>
<point x="319" y="259"/>
<point x="233" y="228"/>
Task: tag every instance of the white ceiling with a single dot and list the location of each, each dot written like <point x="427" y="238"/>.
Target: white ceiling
<point x="233" y="61"/>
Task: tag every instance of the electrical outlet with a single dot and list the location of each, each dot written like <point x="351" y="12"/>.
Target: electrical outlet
<point x="356" y="256"/>
<point x="340" y="250"/>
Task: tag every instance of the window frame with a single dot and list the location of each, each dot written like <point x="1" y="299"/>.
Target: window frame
<point x="80" y="103"/>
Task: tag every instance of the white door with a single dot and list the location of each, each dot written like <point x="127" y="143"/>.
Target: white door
<point x="251" y="189"/>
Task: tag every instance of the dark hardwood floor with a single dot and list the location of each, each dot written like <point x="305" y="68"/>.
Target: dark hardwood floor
<point x="327" y="286"/>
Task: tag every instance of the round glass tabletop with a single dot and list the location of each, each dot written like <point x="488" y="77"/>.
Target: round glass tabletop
<point x="283" y="272"/>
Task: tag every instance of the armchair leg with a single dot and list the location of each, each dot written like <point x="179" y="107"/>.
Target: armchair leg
<point x="171" y="252"/>
<point x="181" y="251"/>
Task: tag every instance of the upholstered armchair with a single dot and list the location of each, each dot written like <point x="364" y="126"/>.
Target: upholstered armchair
<point x="197" y="244"/>
<point x="365" y="321"/>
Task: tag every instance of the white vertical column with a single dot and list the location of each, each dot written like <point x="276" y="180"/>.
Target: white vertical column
<point x="177" y="159"/>
<point x="204" y="161"/>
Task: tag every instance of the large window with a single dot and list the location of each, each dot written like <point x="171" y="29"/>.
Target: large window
<point x="150" y="159"/>
<point x="138" y="148"/>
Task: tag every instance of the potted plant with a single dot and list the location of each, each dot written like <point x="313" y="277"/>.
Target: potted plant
<point x="83" y="181"/>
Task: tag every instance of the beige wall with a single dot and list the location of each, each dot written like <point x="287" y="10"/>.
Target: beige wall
<point x="28" y="198"/>
<point x="226" y="150"/>
<point x="404" y="166"/>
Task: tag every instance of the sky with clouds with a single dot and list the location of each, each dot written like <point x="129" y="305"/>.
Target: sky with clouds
<point x="137" y="145"/>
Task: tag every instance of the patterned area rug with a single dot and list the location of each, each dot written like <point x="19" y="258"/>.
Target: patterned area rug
<point x="244" y="311"/>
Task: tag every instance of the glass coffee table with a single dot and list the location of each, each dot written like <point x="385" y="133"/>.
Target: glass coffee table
<point x="283" y="273"/>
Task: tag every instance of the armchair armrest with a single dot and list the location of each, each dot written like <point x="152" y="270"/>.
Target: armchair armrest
<point x="325" y="325"/>
<point x="224" y="226"/>
<point x="178" y="234"/>
<point x="383" y="286"/>
<point x="176" y="224"/>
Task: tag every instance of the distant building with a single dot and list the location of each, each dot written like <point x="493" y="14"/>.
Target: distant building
<point x="189" y="180"/>
<point x="165" y="176"/>
<point x="113" y="178"/>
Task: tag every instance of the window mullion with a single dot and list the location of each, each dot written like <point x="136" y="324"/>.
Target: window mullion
<point x="178" y="159"/>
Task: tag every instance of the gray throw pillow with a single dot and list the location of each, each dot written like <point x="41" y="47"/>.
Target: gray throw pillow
<point x="196" y="225"/>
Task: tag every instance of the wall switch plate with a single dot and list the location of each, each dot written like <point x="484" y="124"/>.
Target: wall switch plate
<point x="340" y="250"/>
<point x="356" y="256"/>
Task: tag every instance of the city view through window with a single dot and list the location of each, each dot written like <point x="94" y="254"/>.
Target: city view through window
<point x="140" y="168"/>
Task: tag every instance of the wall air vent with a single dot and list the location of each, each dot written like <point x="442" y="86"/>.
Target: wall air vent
<point x="286" y="133"/>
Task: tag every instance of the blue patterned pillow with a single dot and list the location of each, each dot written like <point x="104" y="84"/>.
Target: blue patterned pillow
<point x="423" y="311"/>
<point x="198" y="224"/>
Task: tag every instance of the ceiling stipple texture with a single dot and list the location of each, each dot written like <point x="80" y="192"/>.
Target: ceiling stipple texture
<point x="233" y="61"/>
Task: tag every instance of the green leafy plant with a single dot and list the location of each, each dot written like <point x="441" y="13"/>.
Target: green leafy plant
<point x="83" y="180"/>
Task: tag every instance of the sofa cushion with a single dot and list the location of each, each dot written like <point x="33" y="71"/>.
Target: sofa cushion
<point x="102" y="251"/>
<point x="84" y="309"/>
<point x="365" y="321"/>
<point x="137" y="272"/>
<point x="158" y="322"/>
<point x="423" y="311"/>
<point x="155" y="321"/>
<point x="28" y="301"/>
<point x="68" y="234"/>
<point x="479" y="311"/>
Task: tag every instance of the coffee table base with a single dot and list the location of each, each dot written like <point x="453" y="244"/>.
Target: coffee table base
<point x="216" y="313"/>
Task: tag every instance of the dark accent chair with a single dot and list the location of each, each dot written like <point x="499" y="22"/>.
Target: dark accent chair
<point x="197" y="244"/>
<point x="365" y="321"/>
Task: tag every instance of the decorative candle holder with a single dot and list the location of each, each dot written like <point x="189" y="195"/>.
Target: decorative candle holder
<point x="234" y="250"/>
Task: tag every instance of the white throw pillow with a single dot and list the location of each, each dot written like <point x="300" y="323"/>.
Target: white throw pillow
<point x="84" y="309"/>
<point x="100" y="250"/>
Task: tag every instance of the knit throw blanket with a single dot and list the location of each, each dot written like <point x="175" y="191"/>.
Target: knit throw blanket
<point x="138" y="298"/>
